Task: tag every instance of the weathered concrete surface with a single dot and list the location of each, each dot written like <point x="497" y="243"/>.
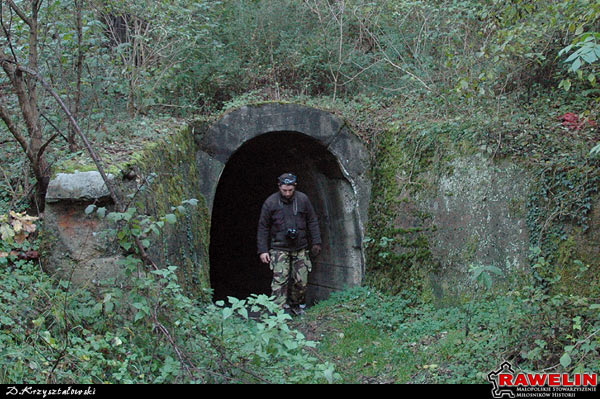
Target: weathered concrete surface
<point x="78" y="186"/>
<point x="341" y="196"/>
<point x="190" y="166"/>
<point x="75" y="247"/>
<point x="479" y="213"/>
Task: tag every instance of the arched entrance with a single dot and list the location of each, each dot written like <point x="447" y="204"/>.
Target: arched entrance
<point x="241" y="156"/>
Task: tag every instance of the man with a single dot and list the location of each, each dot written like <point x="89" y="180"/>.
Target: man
<point x="287" y="225"/>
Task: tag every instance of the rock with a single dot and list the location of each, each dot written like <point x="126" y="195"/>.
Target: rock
<point x="74" y="244"/>
<point x="78" y="186"/>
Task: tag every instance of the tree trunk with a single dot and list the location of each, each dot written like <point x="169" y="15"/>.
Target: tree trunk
<point x="72" y="139"/>
<point x="27" y="95"/>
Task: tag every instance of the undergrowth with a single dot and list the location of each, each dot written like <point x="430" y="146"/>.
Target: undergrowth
<point x="150" y="331"/>
<point x="53" y="333"/>
<point x="145" y="330"/>
<point x="377" y="337"/>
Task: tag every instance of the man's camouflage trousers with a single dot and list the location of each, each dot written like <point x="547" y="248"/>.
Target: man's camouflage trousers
<point x="290" y="276"/>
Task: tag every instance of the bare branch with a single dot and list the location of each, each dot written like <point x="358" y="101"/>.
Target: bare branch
<point x="19" y="12"/>
<point x="54" y="127"/>
<point x="75" y="126"/>
<point x="45" y="145"/>
<point x="14" y="130"/>
<point x="392" y="63"/>
<point x="6" y="31"/>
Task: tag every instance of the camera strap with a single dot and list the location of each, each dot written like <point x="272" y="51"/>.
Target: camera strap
<point x="289" y="212"/>
<point x="295" y="205"/>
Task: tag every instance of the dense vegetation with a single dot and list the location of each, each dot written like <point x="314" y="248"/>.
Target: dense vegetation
<point x="99" y="78"/>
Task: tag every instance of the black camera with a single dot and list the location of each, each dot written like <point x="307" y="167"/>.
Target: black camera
<point x="292" y="233"/>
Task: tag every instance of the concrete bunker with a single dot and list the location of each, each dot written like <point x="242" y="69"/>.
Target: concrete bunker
<point x="232" y="165"/>
<point x="239" y="158"/>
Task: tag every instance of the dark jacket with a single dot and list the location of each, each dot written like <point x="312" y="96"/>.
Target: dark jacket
<point x="278" y="215"/>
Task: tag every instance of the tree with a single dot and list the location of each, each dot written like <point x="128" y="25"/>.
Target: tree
<point x="32" y="142"/>
<point x="20" y="62"/>
<point x="148" y="39"/>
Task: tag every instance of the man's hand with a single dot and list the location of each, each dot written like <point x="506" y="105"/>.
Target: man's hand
<point x="315" y="250"/>
<point x="265" y="258"/>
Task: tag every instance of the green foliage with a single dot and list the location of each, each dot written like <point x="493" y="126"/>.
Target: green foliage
<point x="594" y="152"/>
<point x="417" y="78"/>
<point x="564" y="195"/>
<point x="587" y="52"/>
<point x="583" y="26"/>
<point x="398" y="253"/>
<point x="272" y="346"/>
<point x="376" y="337"/>
<point x="565" y="325"/>
<point x="482" y="274"/>
<point x="145" y="330"/>
<point x="131" y="226"/>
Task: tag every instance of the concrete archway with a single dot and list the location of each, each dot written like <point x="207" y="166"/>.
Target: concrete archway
<point x="239" y="158"/>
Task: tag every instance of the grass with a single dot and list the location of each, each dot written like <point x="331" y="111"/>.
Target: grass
<point x="375" y="338"/>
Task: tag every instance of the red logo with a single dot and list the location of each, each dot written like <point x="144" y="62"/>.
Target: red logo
<point x="507" y="383"/>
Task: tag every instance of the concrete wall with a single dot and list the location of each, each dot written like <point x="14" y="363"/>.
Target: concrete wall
<point x="78" y="247"/>
<point x="190" y="164"/>
<point x="340" y="190"/>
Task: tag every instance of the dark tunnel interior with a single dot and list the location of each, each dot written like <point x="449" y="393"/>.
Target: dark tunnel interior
<point x="249" y="177"/>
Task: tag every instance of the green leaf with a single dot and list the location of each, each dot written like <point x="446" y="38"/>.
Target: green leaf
<point x="592" y="78"/>
<point x="114" y="216"/>
<point x="101" y="212"/>
<point x="569" y="348"/>
<point x="328" y="373"/>
<point x="576" y="64"/>
<point x="89" y="209"/>
<point x="139" y="315"/>
<point x="7" y="232"/>
<point x="243" y="312"/>
<point x="589" y="56"/>
<point x="171" y="218"/>
<point x="565" y="50"/>
<point x="572" y="57"/>
<point x="487" y="280"/>
<point x="192" y="201"/>
<point x="48" y="338"/>
<point x="565" y="84"/>
<point x="565" y="360"/>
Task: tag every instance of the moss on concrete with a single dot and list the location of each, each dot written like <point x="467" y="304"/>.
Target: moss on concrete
<point x="398" y="254"/>
<point x="442" y="200"/>
<point x="440" y="204"/>
<point x="167" y="174"/>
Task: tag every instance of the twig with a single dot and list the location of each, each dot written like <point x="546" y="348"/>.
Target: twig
<point x="111" y="188"/>
<point x="165" y="331"/>
<point x="53" y="126"/>
<point x="75" y="126"/>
